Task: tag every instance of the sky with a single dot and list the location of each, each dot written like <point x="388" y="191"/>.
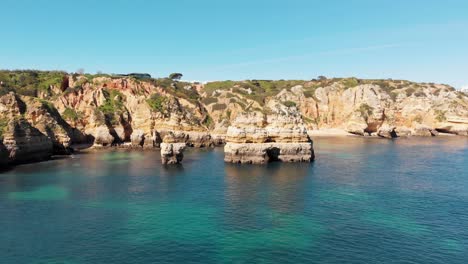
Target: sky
<point x="418" y="40"/>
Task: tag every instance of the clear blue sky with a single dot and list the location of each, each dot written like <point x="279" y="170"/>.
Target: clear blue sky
<point x="422" y="40"/>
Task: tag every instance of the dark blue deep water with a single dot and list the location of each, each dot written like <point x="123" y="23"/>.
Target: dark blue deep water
<point x="362" y="201"/>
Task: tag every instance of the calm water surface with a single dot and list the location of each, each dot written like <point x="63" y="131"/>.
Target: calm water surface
<point x="362" y="201"/>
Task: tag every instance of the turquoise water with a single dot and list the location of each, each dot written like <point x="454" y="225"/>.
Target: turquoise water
<point x="362" y="201"/>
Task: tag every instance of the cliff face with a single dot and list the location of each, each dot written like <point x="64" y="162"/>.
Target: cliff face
<point x="260" y="138"/>
<point x="357" y="106"/>
<point x="49" y="112"/>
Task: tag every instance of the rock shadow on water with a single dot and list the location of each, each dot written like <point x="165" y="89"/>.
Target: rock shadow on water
<point x="45" y="193"/>
<point x="173" y="169"/>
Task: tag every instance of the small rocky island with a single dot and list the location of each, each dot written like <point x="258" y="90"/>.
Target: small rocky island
<point x="46" y="113"/>
<point x="261" y="138"/>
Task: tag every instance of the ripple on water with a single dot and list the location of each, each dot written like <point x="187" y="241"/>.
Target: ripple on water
<point x="286" y="232"/>
<point x="56" y="261"/>
<point x="45" y="193"/>
<point x="399" y="223"/>
<point x="121" y="157"/>
<point x="344" y="195"/>
<point x="191" y="224"/>
<point x="451" y="245"/>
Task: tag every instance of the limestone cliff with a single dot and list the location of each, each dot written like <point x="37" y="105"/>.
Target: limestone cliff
<point x="106" y="110"/>
<point x="362" y="107"/>
<point x="279" y="135"/>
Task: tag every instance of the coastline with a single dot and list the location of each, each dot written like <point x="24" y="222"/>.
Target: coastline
<point x="329" y="132"/>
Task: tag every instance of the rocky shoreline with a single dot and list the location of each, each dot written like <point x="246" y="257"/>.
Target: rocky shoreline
<point x="46" y="113"/>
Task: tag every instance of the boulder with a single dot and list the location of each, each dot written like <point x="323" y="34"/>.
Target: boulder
<point x="424" y="131"/>
<point x="387" y="132"/>
<point x="403" y="132"/>
<point x="356" y="128"/>
<point x="138" y="138"/>
<point x="102" y="137"/>
<point x="172" y="153"/>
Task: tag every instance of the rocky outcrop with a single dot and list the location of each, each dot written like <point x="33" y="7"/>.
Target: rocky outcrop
<point x="261" y="153"/>
<point x="361" y="107"/>
<point x="26" y="143"/>
<point x="424" y="131"/>
<point x="260" y="138"/>
<point x="387" y="132"/>
<point x="172" y="153"/>
<point x="108" y="110"/>
<point x="4" y="155"/>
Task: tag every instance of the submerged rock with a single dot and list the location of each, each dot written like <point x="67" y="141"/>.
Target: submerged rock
<point x="172" y="153"/>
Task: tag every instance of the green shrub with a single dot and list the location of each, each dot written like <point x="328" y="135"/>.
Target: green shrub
<point x="365" y="110"/>
<point x="70" y="114"/>
<point x="418" y="119"/>
<point x="440" y="115"/>
<point x="209" y="100"/>
<point x="208" y="121"/>
<point x="219" y="107"/>
<point x="113" y="106"/>
<point x="223" y="85"/>
<point x="350" y="83"/>
<point x="29" y="82"/>
<point x="409" y="91"/>
<point x="5" y="90"/>
<point x="289" y="104"/>
<point x="419" y="94"/>
<point x="48" y="105"/>
<point x="157" y="102"/>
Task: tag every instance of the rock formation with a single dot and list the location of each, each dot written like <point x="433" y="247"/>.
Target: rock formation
<point x="4" y="155"/>
<point x="171" y="151"/>
<point x="26" y="143"/>
<point x="106" y="110"/>
<point x="261" y="138"/>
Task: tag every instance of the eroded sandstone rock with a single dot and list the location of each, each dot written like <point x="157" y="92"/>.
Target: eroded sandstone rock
<point x="172" y="153"/>
<point x="424" y="131"/>
<point x="259" y="138"/>
<point x="4" y="155"/>
<point x="26" y="143"/>
<point x="261" y="153"/>
<point x="387" y="132"/>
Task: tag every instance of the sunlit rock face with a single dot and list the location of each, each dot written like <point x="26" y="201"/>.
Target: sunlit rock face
<point x="172" y="153"/>
<point x="25" y="143"/>
<point x="260" y="138"/>
<point x="261" y="153"/>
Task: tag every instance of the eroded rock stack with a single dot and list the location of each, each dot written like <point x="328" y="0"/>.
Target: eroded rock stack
<point x="172" y="151"/>
<point x="260" y="138"/>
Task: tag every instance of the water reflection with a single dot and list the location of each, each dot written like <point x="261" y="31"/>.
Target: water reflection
<point x="276" y="188"/>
